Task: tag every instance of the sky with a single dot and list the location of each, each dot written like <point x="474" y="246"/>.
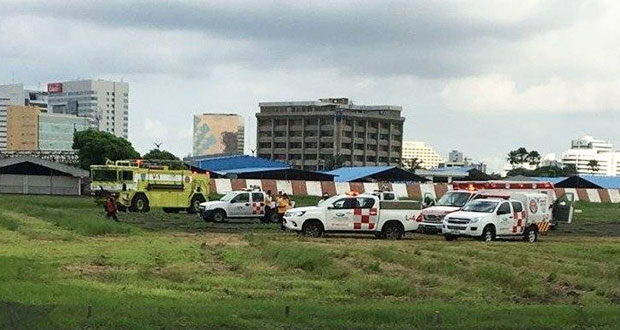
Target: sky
<point x="483" y="77"/>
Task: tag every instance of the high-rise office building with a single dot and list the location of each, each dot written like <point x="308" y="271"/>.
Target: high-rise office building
<point x="104" y="103"/>
<point x="218" y="133"/>
<point x="425" y="154"/>
<point x="592" y="156"/>
<point x="310" y="134"/>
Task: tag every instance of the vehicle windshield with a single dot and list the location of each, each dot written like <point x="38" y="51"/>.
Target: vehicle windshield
<point x="481" y="205"/>
<point x="228" y="196"/>
<point x="454" y="199"/>
<point x="330" y="201"/>
<point x="104" y="175"/>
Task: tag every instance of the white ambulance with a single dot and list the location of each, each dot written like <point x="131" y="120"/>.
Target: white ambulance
<point x="511" y="216"/>
<point x="355" y="213"/>
<point x="431" y="218"/>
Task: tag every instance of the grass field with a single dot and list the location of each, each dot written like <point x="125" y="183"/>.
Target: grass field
<point x="58" y="256"/>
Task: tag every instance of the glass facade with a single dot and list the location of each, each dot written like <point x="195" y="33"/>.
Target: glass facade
<point x="56" y="131"/>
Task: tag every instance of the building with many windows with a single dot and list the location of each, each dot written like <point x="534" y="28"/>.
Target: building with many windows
<point x="56" y="130"/>
<point x="592" y="156"/>
<point x="22" y="127"/>
<point x="425" y="154"/>
<point x="16" y="95"/>
<point x="104" y="103"/>
<point x="218" y="133"/>
<point x="310" y="134"/>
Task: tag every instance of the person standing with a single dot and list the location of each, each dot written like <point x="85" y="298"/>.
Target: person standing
<point x="283" y="205"/>
<point x="111" y="208"/>
<point x="268" y="210"/>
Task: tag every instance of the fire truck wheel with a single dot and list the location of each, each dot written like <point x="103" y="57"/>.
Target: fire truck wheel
<point x="312" y="228"/>
<point x="530" y="235"/>
<point x="393" y="230"/>
<point x="195" y="204"/>
<point x="488" y="234"/>
<point x="218" y="216"/>
<point x="450" y="237"/>
<point x="140" y="204"/>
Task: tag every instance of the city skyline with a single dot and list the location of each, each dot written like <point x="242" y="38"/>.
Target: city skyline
<point x="462" y="78"/>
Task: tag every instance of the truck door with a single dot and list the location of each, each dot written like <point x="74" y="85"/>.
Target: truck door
<point x="339" y="216"/>
<point x="258" y="204"/>
<point x="504" y="219"/>
<point x="562" y="209"/>
<point x="240" y="205"/>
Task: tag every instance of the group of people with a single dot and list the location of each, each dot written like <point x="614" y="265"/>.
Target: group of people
<point x="279" y="204"/>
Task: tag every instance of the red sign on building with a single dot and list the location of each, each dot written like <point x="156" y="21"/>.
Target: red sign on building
<point x="54" y="88"/>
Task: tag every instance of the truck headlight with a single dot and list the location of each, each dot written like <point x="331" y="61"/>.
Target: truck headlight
<point x="295" y="214"/>
<point x="474" y="220"/>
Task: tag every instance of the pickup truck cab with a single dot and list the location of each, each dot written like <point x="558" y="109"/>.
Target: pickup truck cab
<point x="353" y="213"/>
<point x="515" y="215"/>
<point x="431" y="218"/>
<point x="235" y="204"/>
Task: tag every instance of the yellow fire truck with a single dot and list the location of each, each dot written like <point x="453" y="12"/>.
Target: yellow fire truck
<point x="143" y="184"/>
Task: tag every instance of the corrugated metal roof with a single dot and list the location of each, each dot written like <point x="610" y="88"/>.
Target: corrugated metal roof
<point x="346" y="174"/>
<point x="73" y="171"/>
<point x="551" y="179"/>
<point x="250" y="170"/>
<point x="604" y="181"/>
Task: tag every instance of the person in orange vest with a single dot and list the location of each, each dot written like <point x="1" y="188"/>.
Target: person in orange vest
<point x="110" y="207"/>
<point x="284" y="203"/>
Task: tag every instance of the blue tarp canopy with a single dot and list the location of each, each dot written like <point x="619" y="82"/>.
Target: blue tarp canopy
<point x="250" y="167"/>
<point x="374" y="173"/>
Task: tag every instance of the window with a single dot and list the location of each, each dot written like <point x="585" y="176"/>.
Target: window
<point x="127" y="175"/>
<point x="504" y="208"/>
<point x="345" y="203"/>
<point x="365" y="202"/>
<point x="242" y="198"/>
<point x="517" y="207"/>
<point x="258" y="197"/>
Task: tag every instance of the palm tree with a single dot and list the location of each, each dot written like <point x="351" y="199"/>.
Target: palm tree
<point x="593" y="165"/>
<point x="513" y="158"/>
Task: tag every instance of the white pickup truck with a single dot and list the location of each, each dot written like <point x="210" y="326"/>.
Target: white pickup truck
<point x="514" y="215"/>
<point x="364" y="213"/>
<point x="236" y="204"/>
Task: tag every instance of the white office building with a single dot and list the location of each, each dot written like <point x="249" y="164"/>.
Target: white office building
<point x="424" y="153"/>
<point x="104" y="103"/>
<point x="587" y="149"/>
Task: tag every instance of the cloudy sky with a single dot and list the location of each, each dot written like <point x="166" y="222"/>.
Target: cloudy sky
<point x="483" y="77"/>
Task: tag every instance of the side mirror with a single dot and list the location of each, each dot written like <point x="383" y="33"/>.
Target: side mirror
<point x="330" y="207"/>
<point x="232" y="201"/>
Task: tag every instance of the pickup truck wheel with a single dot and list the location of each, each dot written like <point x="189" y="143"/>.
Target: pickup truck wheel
<point x="312" y="229"/>
<point x="488" y="234"/>
<point x="450" y="237"/>
<point x="218" y="216"/>
<point x="530" y="235"/>
<point x="392" y="230"/>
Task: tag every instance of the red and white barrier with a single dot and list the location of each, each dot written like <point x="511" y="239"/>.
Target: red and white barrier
<point x="414" y="191"/>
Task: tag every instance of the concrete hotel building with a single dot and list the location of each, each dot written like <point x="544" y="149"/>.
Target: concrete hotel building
<point x="218" y="133"/>
<point x="22" y="127"/>
<point x="104" y="103"/>
<point x="416" y="149"/>
<point x="306" y="134"/>
<point x="586" y="149"/>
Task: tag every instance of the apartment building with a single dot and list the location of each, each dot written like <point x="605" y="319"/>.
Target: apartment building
<point x="307" y="134"/>
<point x="587" y="151"/>
<point x="425" y="154"/>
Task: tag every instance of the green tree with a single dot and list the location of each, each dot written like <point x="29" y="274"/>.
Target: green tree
<point x="334" y="162"/>
<point x="413" y="164"/>
<point x="593" y="165"/>
<point x="94" y="147"/>
<point x="160" y="155"/>
<point x="533" y="158"/>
